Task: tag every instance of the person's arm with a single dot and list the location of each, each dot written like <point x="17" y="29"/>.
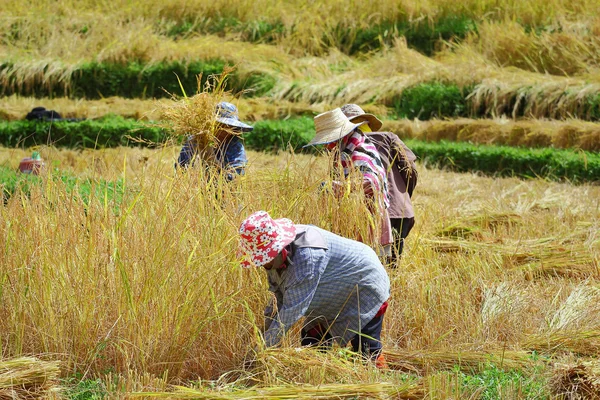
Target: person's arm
<point x="371" y="183"/>
<point x="273" y="305"/>
<point x="188" y="151"/>
<point x="309" y="264"/>
<point x="234" y="162"/>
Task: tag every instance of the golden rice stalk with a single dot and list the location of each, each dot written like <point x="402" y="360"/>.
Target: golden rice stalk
<point x="585" y="343"/>
<point x="579" y="381"/>
<point x="195" y="116"/>
<point x="468" y="361"/>
<point x="27" y="378"/>
<point x="381" y="390"/>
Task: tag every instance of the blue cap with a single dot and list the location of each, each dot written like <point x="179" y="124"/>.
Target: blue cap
<point x="227" y="114"/>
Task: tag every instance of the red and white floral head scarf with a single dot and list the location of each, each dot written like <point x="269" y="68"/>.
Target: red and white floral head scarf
<point x="263" y="238"/>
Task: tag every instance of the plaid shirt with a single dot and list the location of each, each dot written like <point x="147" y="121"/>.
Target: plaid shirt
<point x="341" y="287"/>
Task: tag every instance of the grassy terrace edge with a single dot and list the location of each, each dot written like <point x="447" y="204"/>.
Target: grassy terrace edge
<point x="95" y="80"/>
<point x="422" y="36"/>
<point x="556" y="164"/>
<point x="424" y="101"/>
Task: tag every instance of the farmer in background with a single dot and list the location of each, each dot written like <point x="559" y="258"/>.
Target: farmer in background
<point x="338" y="284"/>
<point x="353" y="150"/>
<point x="229" y="155"/>
<point x="399" y="163"/>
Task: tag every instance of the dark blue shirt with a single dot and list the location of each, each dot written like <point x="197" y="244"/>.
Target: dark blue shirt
<point x="230" y="156"/>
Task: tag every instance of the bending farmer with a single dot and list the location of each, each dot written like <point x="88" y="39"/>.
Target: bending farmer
<point x="338" y="285"/>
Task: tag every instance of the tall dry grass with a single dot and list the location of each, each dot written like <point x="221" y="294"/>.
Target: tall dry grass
<point x="563" y="48"/>
<point x="152" y="285"/>
<point x="309" y="26"/>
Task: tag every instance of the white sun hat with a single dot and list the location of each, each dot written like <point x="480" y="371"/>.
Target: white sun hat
<point x="332" y="126"/>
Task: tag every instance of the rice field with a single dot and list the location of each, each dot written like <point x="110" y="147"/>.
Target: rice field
<point x="119" y="278"/>
<point x="147" y="292"/>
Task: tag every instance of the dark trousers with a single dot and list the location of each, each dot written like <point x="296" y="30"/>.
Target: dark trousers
<point x="368" y="342"/>
<point x="401" y="227"/>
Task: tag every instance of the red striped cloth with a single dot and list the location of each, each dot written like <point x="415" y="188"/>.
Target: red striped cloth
<point x="357" y="151"/>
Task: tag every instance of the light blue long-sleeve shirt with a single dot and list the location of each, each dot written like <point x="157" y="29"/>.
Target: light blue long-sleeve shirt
<point x="341" y="287"/>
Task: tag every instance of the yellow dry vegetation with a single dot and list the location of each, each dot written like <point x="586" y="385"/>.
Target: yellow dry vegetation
<point x="150" y="287"/>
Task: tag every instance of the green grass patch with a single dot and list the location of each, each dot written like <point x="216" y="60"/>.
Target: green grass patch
<point x="493" y="383"/>
<point x="112" y="131"/>
<point x="84" y="389"/>
<point x="431" y="100"/>
<point x="274" y="135"/>
<point x="13" y="181"/>
<point x="554" y="164"/>
<point x="109" y="131"/>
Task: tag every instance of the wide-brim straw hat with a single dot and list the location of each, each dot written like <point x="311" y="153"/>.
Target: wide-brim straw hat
<point x="331" y="126"/>
<point x="227" y="114"/>
<point x="356" y="114"/>
<point x="262" y="238"/>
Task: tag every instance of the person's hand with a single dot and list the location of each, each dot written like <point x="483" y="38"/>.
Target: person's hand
<point x="339" y="189"/>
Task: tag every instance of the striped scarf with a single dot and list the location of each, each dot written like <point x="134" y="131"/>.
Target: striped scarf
<point x="357" y="151"/>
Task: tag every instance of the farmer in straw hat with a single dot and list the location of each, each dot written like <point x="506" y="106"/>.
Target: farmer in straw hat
<point x="399" y="163"/>
<point x="230" y="154"/>
<point x="338" y="284"/>
<point x="354" y="150"/>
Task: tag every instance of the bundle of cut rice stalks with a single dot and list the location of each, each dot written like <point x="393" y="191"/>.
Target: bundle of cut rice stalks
<point x="474" y="225"/>
<point x="27" y="378"/>
<point x="380" y="390"/>
<point x="195" y="116"/>
<point x="468" y="361"/>
<point x="580" y="381"/>
<point x="535" y="258"/>
<point x="585" y="343"/>
<point x="302" y="365"/>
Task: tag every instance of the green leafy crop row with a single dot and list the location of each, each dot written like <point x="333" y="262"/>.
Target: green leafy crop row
<point x="446" y="100"/>
<point x="110" y="131"/>
<point x="576" y="166"/>
<point x="12" y="181"/>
